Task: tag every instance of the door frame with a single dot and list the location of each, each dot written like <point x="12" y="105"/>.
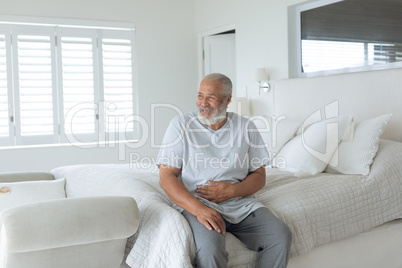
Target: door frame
<point x="200" y="42"/>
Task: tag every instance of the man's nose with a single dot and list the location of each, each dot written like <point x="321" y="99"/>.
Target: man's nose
<point x="204" y="102"/>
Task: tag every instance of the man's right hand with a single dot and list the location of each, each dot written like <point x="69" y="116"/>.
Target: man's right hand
<point x="211" y="219"/>
<point x="178" y="193"/>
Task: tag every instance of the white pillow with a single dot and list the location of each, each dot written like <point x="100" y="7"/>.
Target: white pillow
<point x="25" y="192"/>
<point x="310" y="152"/>
<point x="275" y="132"/>
<point x="356" y="156"/>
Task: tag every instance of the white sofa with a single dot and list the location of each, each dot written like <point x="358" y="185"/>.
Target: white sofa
<point x="65" y="232"/>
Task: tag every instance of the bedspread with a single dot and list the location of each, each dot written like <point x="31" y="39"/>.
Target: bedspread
<point x="318" y="209"/>
<point x="328" y="207"/>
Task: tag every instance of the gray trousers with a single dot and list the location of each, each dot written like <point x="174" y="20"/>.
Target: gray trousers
<point x="261" y="231"/>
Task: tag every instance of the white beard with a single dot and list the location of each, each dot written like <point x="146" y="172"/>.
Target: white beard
<point x="217" y="116"/>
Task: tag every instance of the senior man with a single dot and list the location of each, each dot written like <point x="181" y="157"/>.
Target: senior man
<point x="211" y="163"/>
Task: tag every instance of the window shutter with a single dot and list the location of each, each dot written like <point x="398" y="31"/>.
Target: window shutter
<point x="78" y="85"/>
<point x="118" y="84"/>
<point x="35" y="85"/>
<point x="4" y="116"/>
<point x="61" y="83"/>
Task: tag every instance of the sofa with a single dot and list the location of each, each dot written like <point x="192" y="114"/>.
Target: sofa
<point x="57" y="231"/>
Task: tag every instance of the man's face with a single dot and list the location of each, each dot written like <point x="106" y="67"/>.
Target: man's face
<point x="211" y="103"/>
<point x="210" y="99"/>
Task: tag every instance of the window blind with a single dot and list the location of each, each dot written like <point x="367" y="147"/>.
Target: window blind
<point x="118" y="84"/>
<point x="78" y="83"/>
<point x="4" y="128"/>
<point x="384" y="53"/>
<point x="330" y="55"/>
<point x="35" y="85"/>
<point x="322" y="55"/>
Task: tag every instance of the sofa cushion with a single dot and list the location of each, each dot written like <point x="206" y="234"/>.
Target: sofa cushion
<point x="20" y="193"/>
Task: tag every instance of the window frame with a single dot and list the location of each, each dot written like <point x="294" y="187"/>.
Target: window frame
<point x="107" y="34"/>
<point x="295" y="49"/>
<point x="33" y="31"/>
<point x="10" y="139"/>
<point x="78" y="33"/>
<point x="56" y="29"/>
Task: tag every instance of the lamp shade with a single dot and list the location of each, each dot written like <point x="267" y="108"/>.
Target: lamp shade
<point x="239" y="106"/>
<point x="261" y="74"/>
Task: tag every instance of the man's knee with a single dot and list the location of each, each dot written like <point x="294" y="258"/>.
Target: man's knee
<point x="211" y="254"/>
<point x="277" y="231"/>
<point x="285" y="236"/>
<point x="278" y="236"/>
<point x="276" y="247"/>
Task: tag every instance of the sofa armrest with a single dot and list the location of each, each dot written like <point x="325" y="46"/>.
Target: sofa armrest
<point x="67" y="222"/>
<point x="25" y="176"/>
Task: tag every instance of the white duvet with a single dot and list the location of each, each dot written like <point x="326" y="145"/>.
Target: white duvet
<point x="318" y="209"/>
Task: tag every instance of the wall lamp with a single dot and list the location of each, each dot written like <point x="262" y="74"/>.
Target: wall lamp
<point x="262" y="77"/>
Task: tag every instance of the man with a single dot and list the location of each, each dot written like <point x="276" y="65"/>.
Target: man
<point x="211" y="163"/>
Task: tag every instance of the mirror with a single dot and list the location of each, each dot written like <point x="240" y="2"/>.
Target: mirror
<point x="350" y="35"/>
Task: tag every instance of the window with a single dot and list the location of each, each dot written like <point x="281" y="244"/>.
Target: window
<point x="318" y="55"/>
<point x="336" y="36"/>
<point x="117" y="82"/>
<point x="4" y="129"/>
<point x="63" y="84"/>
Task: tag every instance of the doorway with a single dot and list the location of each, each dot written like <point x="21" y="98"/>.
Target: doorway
<point x="219" y="54"/>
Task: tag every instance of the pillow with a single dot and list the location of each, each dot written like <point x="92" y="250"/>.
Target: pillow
<point x="310" y="152"/>
<point x="356" y="156"/>
<point x="25" y="192"/>
<point x="275" y="132"/>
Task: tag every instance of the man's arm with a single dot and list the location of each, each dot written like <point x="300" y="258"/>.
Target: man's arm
<point x="219" y="191"/>
<point x="178" y="193"/>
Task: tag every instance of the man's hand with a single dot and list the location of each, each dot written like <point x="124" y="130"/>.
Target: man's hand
<point x="179" y="194"/>
<point x="219" y="191"/>
<point x="211" y="219"/>
<point x="216" y="191"/>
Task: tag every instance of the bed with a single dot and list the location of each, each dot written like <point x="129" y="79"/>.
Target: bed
<point x="336" y="219"/>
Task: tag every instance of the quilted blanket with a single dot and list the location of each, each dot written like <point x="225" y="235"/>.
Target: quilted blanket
<point x="318" y="209"/>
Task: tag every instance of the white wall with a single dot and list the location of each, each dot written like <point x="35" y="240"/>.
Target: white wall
<point x="261" y="40"/>
<point x="166" y="42"/>
<point x="165" y="61"/>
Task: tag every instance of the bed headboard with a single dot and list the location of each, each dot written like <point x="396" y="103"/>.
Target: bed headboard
<point x="364" y="95"/>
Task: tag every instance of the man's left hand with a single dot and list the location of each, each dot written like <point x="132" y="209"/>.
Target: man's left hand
<point x="216" y="191"/>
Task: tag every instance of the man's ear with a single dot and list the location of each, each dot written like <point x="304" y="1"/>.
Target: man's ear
<point x="229" y="99"/>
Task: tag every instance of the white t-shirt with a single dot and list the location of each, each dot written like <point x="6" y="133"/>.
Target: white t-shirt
<point x="227" y="154"/>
